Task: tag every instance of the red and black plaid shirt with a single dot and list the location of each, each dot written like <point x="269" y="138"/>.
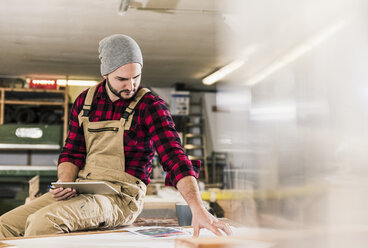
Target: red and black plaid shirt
<point x="152" y="129"/>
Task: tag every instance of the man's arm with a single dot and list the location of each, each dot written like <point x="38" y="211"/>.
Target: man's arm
<point x="72" y="156"/>
<point x="181" y="172"/>
<point x="67" y="172"/>
<point x="201" y="218"/>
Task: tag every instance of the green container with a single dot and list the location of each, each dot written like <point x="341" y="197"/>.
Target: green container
<point x="31" y="134"/>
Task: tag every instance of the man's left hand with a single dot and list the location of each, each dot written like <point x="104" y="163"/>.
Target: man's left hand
<point x="203" y="219"/>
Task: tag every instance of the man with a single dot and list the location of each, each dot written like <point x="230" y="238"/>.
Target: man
<point x="114" y="130"/>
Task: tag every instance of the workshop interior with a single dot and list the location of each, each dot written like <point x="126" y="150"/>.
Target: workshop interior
<point x="270" y="96"/>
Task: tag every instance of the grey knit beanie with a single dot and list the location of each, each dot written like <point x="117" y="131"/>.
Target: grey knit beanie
<point x="117" y="50"/>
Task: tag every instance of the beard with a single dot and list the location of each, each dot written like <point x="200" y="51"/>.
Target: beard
<point x="122" y="93"/>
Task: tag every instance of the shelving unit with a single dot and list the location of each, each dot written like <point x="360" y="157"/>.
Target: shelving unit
<point x="194" y="137"/>
<point x="35" y="97"/>
<point x="14" y="177"/>
<point x="51" y="136"/>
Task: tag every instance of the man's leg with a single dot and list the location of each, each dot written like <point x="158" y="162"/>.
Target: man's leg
<point x="12" y="223"/>
<point x="83" y="212"/>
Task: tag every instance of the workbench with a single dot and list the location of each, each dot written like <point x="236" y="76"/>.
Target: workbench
<point x="339" y="237"/>
<point x="120" y="237"/>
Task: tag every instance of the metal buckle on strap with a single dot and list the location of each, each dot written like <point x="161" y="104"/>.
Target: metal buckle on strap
<point x="86" y="112"/>
<point x="125" y="115"/>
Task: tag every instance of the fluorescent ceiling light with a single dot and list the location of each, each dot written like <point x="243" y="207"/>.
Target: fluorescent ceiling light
<point x="296" y="53"/>
<point x="76" y="83"/>
<point x="227" y="69"/>
<point x="224" y="71"/>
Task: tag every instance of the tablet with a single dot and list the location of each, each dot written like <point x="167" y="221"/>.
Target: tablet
<point x="87" y="187"/>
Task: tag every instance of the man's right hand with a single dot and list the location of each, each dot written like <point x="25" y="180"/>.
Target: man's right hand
<point x="67" y="172"/>
<point x="63" y="194"/>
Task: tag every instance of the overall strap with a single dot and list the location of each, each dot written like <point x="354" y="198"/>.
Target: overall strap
<point x="128" y="113"/>
<point x="87" y="104"/>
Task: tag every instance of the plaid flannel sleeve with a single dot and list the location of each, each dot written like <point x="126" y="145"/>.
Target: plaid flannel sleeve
<point x="171" y="154"/>
<point x="74" y="149"/>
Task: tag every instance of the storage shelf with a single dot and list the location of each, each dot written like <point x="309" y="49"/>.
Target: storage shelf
<point x="29" y="147"/>
<point x="193" y="135"/>
<point x="33" y="90"/>
<point x="33" y="103"/>
<point x="36" y="97"/>
<point x="191" y="146"/>
<point x="191" y="157"/>
<point x="26" y="170"/>
<point x="194" y="124"/>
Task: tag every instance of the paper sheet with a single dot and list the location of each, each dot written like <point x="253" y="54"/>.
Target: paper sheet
<point x="160" y="232"/>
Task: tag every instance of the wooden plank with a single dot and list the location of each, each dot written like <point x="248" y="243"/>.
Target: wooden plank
<point x="4" y="245"/>
<point x="33" y="90"/>
<point x="66" y="114"/>
<point x="66" y="234"/>
<point x="33" y="103"/>
<point x="2" y="109"/>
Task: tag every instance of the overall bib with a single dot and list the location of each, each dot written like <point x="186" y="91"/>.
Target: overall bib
<point x="105" y="161"/>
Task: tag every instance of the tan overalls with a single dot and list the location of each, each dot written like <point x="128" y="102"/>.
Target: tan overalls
<point x="105" y="161"/>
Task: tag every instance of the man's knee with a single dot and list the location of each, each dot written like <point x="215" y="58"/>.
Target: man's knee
<point x="7" y="230"/>
<point x="41" y="223"/>
<point x="3" y="228"/>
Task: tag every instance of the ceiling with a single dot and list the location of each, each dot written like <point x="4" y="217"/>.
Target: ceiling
<point x="181" y="40"/>
<point x="59" y="38"/>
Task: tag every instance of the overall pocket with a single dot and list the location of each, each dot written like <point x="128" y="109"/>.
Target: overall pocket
<point x="103" y="129"/>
